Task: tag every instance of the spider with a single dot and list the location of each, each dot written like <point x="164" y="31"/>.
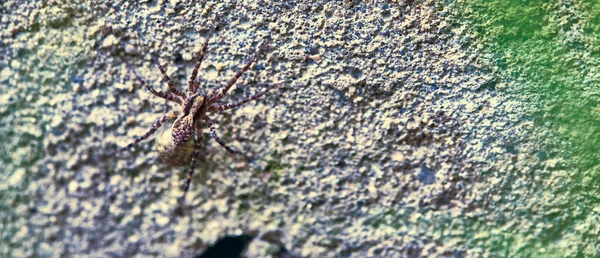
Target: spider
<point x="176" y="145"/>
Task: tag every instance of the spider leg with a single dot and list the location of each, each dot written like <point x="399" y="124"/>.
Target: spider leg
<point x="214" y="135"/>
<point x="197" y="147"/>
<point x="162" y="70"/>
<point x="241" y="102"/>
<point x="192" y="82"/>
<point x="163" y="95"/>
<point x="216" y="95"/>
<point x="152" y="130"/>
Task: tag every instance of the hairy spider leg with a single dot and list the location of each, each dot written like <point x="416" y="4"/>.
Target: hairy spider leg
<point x="192" y="82"/>
<point x="197" y="147"/>
<point x="163" y="95"/>
<point x="213" y="134"/>
<point x="216" y="95"/>
<point x="152" y="130"/>
<point x="162" y="70"/>
<point x="221" y="108"/>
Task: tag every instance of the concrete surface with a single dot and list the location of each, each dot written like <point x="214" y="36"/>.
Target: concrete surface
<point x="392" y="135"/>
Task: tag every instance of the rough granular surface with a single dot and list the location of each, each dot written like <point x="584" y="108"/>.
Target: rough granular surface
<point x="392" y="135"/>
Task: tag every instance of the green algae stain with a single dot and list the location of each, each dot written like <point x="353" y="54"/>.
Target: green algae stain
<point x="503" y="21"/>
<point x="549" y="54"/>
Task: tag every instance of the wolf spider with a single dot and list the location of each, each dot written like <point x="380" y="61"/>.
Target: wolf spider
<point x="177" y="144"/>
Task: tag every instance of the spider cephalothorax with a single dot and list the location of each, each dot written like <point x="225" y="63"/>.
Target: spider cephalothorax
<point x="182" y="141"/>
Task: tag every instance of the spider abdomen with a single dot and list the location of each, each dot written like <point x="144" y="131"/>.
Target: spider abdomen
<point x="172" y="153"/>
<point x="183" y="130"/>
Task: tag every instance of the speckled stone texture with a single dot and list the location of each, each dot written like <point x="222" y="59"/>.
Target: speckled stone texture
<point x="383" y="140"/>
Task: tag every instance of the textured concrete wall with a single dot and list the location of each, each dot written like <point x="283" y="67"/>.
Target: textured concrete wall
<point x="378" y="143"/>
